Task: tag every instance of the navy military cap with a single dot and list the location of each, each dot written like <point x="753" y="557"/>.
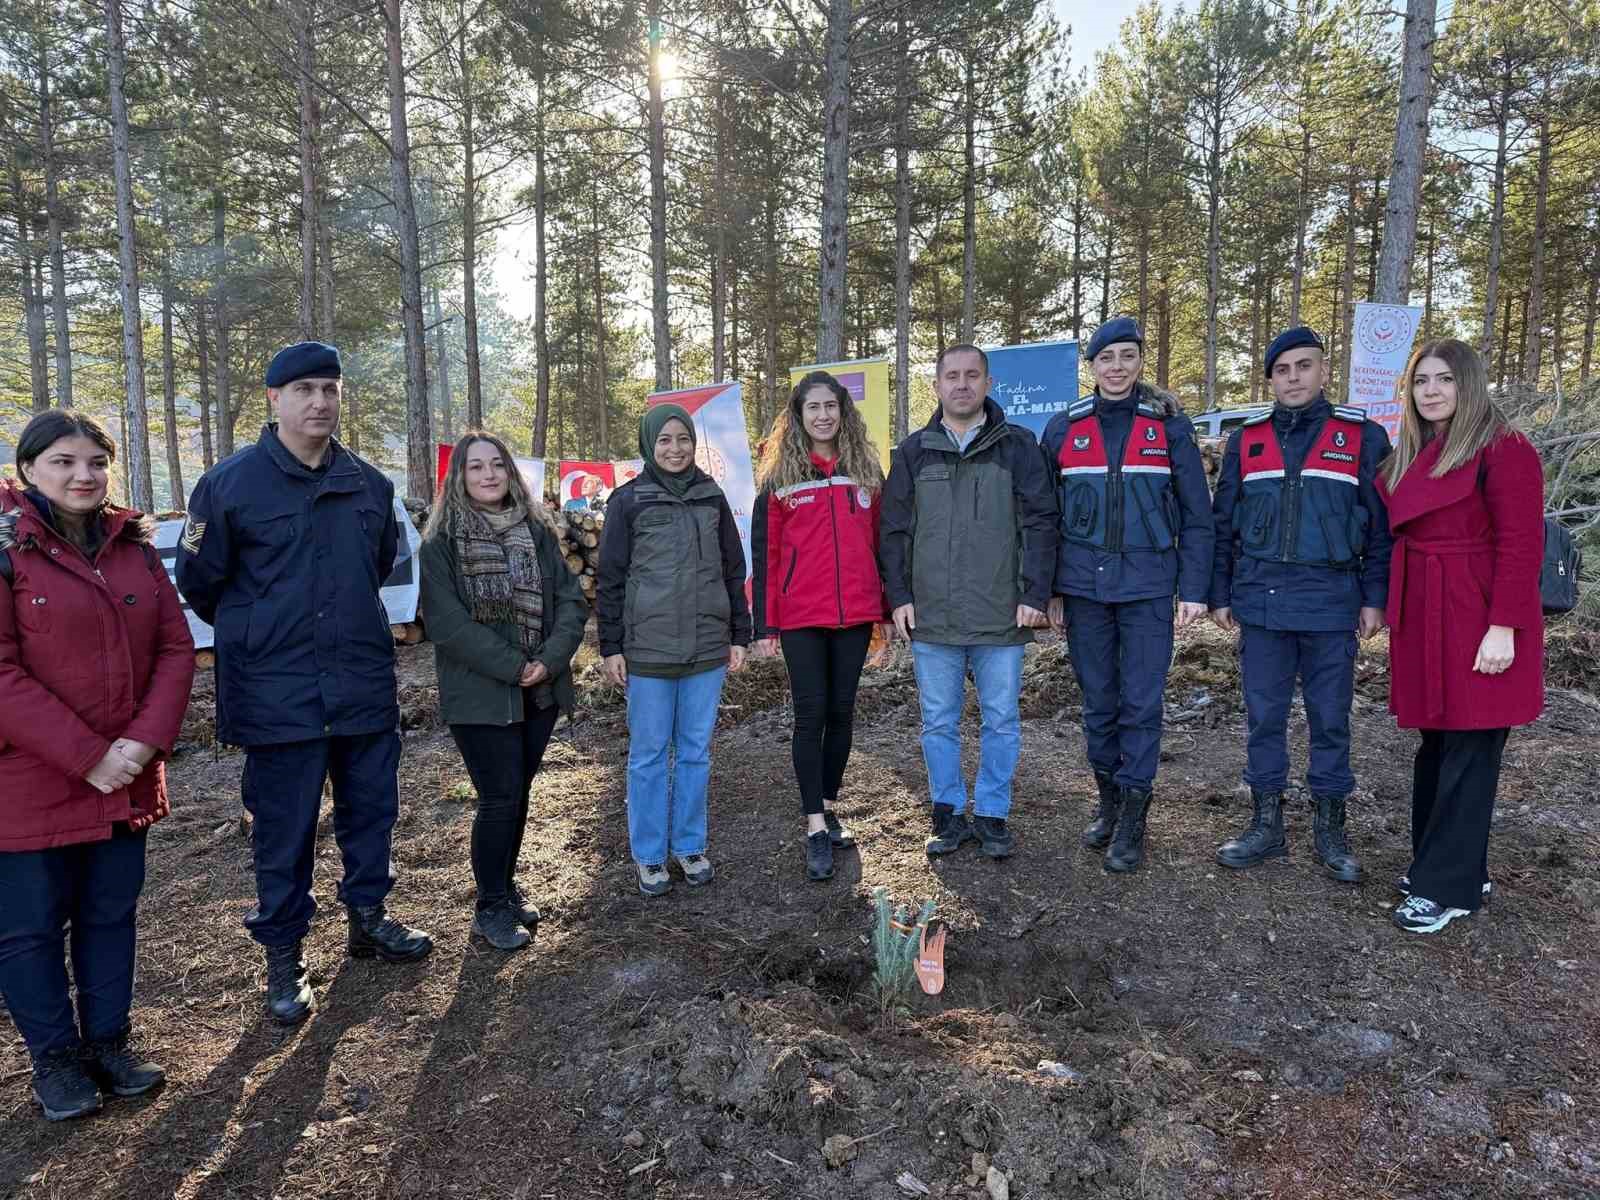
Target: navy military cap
<point x="1292" y="339"/>
<point x="1118" y="329"/>
<point x="301" y="360"/>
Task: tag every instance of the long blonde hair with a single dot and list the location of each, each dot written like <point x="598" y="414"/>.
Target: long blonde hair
<point x="1476" y="423"/>
<point x="786" y="460"/>
<point x="452" y="498"/>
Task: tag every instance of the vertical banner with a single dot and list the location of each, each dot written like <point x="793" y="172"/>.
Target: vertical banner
<point x="722" y="448"/>
<point x="1034" y="382"/>
<point x="867" y="381"/>
<point x="1378" y="354"/>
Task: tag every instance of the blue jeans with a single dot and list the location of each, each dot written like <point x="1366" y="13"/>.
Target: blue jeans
<point x="941" y="688"/>
<point x="667" y="804"/>
<point x="92" y="890"/>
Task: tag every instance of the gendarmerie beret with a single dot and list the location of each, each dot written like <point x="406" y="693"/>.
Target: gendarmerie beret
<point x="303" y="359"/>
<point x="1292" y="339"/>
<point x="1118" y="329"/>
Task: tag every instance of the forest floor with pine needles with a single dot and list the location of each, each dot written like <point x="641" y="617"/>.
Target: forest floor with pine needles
<point x="1258" y="1034"/>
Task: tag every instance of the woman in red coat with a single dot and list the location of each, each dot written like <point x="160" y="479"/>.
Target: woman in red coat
<point x="814" y="542"/>
<point x="1466" y="646"/>
<point x="95" y="666"/>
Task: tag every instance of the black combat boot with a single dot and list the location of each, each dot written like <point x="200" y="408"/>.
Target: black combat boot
<point x="1333" y="847"/>
<point x="374" y="933"/>
<point x="62" y="1087"/>
<point x="1127" y="848"/>
<point x="289" y="996"/>
<point x="1262" y="839"/>
<point x="1098" y="835"/>
<point x="120" y="1069"/>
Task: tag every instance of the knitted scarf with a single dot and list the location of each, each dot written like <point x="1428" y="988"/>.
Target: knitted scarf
<point x="499" y="563"/>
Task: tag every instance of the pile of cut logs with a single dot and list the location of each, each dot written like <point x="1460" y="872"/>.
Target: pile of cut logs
<point x="580" y="546"/>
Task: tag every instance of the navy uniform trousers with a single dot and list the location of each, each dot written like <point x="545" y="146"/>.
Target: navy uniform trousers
<point x="283" y="792"/>
<point x="85" y="895"/>
<point x="1121" y="653"/>
<point x="1324" y="664"/>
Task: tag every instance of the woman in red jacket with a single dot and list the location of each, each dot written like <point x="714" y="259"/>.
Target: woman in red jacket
<point x="814" y="542"/>
<point x="1466" y="649"/>
<point x="95" y="666"/>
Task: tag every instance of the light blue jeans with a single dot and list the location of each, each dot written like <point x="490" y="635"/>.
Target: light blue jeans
<point x="667" y="804"/>
<point x="941" y="687"/>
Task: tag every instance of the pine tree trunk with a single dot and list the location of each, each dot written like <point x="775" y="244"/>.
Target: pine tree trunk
<point x="1213" y="265"/>
<point x="1591" y="311"/>
<point x="969" y="207"/>
<point x="1529" y="373"/>
<point x="659" y="315"/>
<point x="219" y="291"/>
<point x="202" y="350"/>
<point x="902" y="227"/>
<point x="325" y="313"/>
<point x="835" y="217"/>
<point x="1410" y="151"/>
<point x="58" y="260"/>
<point x="1302" y="219"/>
<point x="1374" y="225"/>
<point x="352" y="414"/>
<point x="1427" y="293"/>
<point x="441" y="356"/>
<point x="305" y="65"/>
<point x="169" y="368"/>
<point x="469" y="235"/>
<point x="1347" y="286"/>
<point x="1105" y="274"/>
<point x="541" y="325"/>
<point x="1164" y="336"/>
<point x="770" y="257"/>
<point x="601" y="380"/>
<point x="1255" y="332"/>
<point x="140" y="487"/>
<point x="32" y="303"/>
<point x="719" y="242"/>
<point x="1497" y="220"/>
<point x="1078" y="218"/>
<point x="420" y="455"/>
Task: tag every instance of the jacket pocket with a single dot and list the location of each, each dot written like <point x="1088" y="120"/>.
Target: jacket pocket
<point x="33" y="611"/>
<point x="1083" y="511"/>
<point x="1259" y="528"/>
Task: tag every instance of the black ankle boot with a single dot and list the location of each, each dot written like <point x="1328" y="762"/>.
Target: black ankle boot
<point x="289" y="996"/>
<point x="1098" y="835"/>
<point x="62" y="1087"/>
<point x="374" y="933"/>
<point x="1262" y="838"/>
<point x="119" y="1069"/>
<point x="1333" y="847"/>
<point x="1127" y="848"/>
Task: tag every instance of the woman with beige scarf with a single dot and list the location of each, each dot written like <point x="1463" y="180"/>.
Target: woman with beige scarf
<point x="505" y="616"/>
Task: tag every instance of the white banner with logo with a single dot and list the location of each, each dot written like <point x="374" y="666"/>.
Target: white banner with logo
<point x="1378" y="353"/>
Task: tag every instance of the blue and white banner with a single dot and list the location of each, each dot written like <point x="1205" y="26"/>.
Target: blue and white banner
<point x="1034" y="382"/>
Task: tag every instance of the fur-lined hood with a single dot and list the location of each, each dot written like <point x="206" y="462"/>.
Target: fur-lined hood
<point x="21" y="522"/>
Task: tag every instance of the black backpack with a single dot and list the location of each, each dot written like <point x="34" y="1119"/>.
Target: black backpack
<point x="1558" y="577"/>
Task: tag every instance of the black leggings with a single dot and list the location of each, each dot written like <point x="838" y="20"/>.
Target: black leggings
<point x="502" y="760"/>
<point x="1454" y="781"/>
<point x="824" y="669"/>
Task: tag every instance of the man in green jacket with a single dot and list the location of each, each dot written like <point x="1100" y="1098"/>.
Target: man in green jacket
<point x="967" y="549"/>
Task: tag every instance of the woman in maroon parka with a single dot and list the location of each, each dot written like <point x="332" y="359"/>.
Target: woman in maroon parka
<point x="95" y="666"/>
<point x="1466" y="645"/>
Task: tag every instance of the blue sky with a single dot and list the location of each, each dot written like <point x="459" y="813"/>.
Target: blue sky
<point x="1094" y="25"/>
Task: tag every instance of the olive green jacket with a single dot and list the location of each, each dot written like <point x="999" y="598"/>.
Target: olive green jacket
<point x="479" y="665"/>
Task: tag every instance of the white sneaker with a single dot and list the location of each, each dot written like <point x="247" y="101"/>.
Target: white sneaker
<point x="654" y="880"/>
<point x="697" y="870"/>
<point x="1417" y="914"/>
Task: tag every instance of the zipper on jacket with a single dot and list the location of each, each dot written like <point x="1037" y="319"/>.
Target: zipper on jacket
<point x="838" y="584"/>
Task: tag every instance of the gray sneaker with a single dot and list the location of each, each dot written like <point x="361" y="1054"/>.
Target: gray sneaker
<point x="654" y="880"/>
<point x="498" y="925"/>
<point x="696" y="869"/>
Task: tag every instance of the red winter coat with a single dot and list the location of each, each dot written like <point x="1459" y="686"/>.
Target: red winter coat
<point x="1467" y="553"/>
<point x="88" y="654"/>
<point x="815" y="549"/>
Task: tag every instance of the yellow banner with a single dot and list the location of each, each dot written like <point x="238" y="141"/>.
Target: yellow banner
<point x="867" y="381"/>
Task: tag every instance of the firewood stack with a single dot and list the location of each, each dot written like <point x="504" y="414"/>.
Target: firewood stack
<point x="580" y="546"/>
<point x="1211" y="452"/>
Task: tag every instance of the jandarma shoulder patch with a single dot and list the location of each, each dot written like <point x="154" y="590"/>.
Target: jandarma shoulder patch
<point x="193" y="533"/>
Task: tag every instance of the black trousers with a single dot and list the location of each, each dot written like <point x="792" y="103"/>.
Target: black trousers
<point x="1454" y="780"/>
<point x="502" y="761"/>
<point x="824" y="669"/>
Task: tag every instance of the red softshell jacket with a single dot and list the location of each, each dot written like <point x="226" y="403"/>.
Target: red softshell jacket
<point x="89" y="652"/>
<point x="815" y="547"/>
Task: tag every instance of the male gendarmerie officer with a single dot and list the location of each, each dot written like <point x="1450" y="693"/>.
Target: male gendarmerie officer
<point x="1302" y="567"/>
<point x="287" y="545"/>
<point x="1135" y="530"/>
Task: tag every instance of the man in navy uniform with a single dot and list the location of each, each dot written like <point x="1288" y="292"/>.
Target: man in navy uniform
<point x="287" y="545"/>
<point x="1135" y="516"/>
<point x="1302" y="568"/>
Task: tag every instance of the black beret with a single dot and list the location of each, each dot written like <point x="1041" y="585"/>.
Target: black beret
<point x="1118" y="329"/>
<point x="1292" y="339"/>
<point x="301" y="360"/>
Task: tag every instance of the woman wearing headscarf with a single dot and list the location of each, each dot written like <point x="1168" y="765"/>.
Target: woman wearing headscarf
<point x="505" y="617"/>
<point x="96" y="662"/>
<point x="673" y="621"/>
<point x="1465" y="492"/>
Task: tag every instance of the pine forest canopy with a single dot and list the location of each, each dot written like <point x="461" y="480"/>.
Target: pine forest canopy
<point x="530" y="216"/>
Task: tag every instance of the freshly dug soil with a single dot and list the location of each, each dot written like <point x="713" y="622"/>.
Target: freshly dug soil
<point x="1256" y="1034"/>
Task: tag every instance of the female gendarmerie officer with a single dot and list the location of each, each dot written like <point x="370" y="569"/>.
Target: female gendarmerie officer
<point x="1302" y="565"/>
<point x="1135" y="529"/>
